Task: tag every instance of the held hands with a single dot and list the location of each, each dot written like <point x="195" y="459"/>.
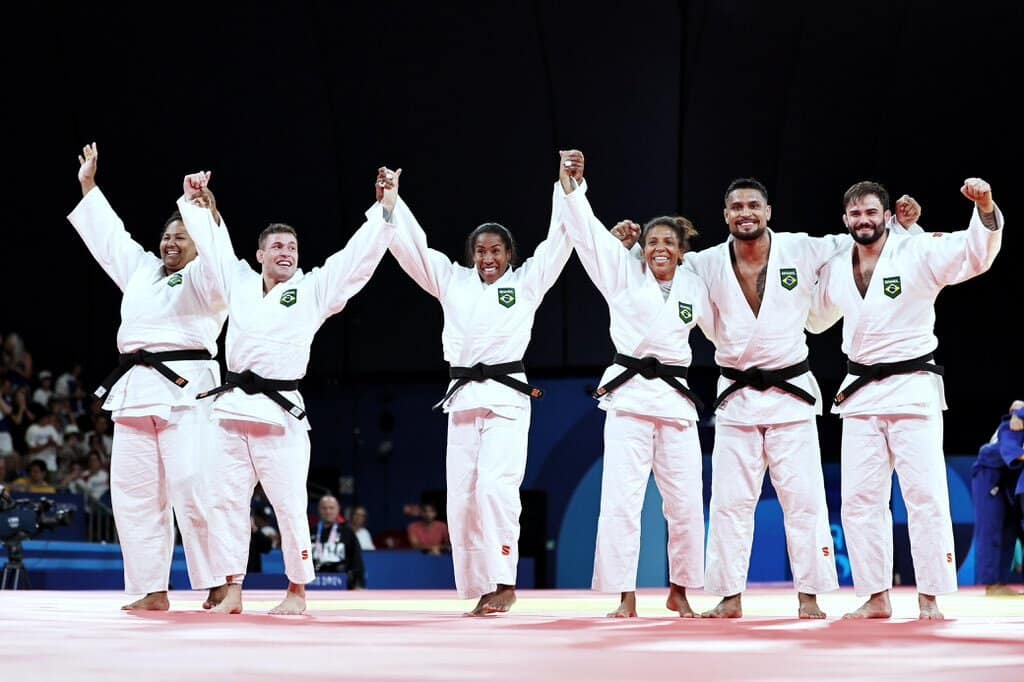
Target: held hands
<point x="207" y="200"/>
<point x="198" y="193"/>
<point x="570" y="169"/>
<point x="980" y="192"/>
<point x="195" y="183"/>
<point x="87" y="167"/>
<point x="386" y="188"/>
<point x="908" y="211"/>
<point x="627" y="232"/>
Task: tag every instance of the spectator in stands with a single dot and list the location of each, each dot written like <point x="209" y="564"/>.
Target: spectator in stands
<point x="93" y="481"/>
<point x="358" y="523"/>
<point x="61" y="408"/>
<point x="43" y="440"/>
<point x="429" y="534"/>
<point x="3" y="469"/>
<point x="69" y="385"/>
<point x="6" y="410"/>
<point x="17" y="358"/>
<point x="335" y="546"/>
<point x="997" y="514"/>
<point x="99" y="438"/>
<point x="22" y="414"/>
<point x="44" y="392"/>
<point x="36" y="481"/>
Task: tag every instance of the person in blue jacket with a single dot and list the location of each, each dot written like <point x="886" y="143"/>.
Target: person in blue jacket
<point x="997" y="488"/>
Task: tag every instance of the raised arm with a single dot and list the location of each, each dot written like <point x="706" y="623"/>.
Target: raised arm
<point x="605" y="261"/>
<point x="101" y="229"/>
<point x="347" y="271"/>
<point x="217" y="262"/>
<point x="431" y="269"/>
<point x="956" y="257"/>
<point x="542" y="269"/>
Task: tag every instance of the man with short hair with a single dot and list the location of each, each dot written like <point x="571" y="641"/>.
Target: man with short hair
<point x="761" y="283"/>
<point x="335" y="546"/>
<point x="891" y="402"/>
<point x="263" y="432"/>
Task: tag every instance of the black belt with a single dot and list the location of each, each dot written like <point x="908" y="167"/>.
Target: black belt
<point x="252" y="383"/>
<point x="763" y="379"/>
<point x="867" y="373"/>
<point x="156" y="361"/>
<point x="499" y="373"/>
<point x="649" y="368"/>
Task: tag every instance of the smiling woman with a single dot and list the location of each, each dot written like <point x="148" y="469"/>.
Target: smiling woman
<point x="166" y="340"/>
<point x="489" y="307"/>
<point x="176" y="248"/>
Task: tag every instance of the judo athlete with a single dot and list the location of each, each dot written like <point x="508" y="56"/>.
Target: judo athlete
<point x="652" y="414"/>
<point x="761" y="284"/>
<point x="892" y="398"/>
<point x="489" y="307"/>
<point x="263" y="430"/>
<point x="995" y="485"/>
<point x="171" y="317"/>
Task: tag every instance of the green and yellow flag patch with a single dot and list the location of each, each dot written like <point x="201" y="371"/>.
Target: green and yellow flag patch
<point x="507" y="297"/>
<point x="892" y="287"/>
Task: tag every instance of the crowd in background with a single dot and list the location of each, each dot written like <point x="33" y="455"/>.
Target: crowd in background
<point x="54" y="436"/>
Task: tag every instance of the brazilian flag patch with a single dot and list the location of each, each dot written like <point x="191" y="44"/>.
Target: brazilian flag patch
<point x="507" y="297"/>
<point x="289" y="298"/>
<point x="174" y="280"/>
<point x="686" y="312"/>
<point x="788" y="278"/>
<point x="892" y="287"/>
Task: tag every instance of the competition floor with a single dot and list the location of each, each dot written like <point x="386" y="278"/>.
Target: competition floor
<point x="550" y="635"/>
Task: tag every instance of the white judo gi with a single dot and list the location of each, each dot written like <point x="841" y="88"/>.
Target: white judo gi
<point x="772" y="429"/>
<point x="488" y="422"/>
<point x="649" y="425"/>
<point x="160" y="445"/>
<point x="270" y="335"/>
<point x="896" y="422"/>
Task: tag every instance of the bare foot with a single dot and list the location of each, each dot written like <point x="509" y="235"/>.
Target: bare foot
<point x="294" y="602"/>
<point x="154" y="601"/>
<point x="627" y="606"/>
<point x="478" y="610"/>
<point x="677" y="601"/>
<point x="1001" y="590"/>
<point x="877" y="606"/>
<point x="231" y="602"/>
<point x="215" y="596"/>
<point x="809" y="606"/>
<point x="502" y="599"/>
<point x="729" y="607"/>
<point x="929" y="607"/>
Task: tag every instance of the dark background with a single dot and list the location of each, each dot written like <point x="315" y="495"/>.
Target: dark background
<point x="293" y="106"/>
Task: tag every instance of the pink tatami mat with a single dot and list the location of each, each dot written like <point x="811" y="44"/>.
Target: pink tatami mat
<point x="550" y="635"/>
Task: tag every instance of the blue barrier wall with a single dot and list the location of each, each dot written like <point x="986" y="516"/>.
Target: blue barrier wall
<point x="62" y="565"/>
